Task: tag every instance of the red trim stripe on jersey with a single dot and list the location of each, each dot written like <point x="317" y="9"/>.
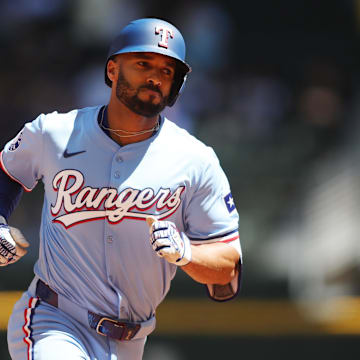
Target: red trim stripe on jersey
<point x="2" y="166"/>
<point x="230" y="240"/>
<point x="28" y="314"/>
<point x="225" y="238"/>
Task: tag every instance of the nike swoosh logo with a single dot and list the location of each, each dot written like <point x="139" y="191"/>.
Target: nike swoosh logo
<point x="67" y="154"/>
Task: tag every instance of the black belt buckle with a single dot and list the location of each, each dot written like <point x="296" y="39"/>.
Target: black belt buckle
<point x="112" y="327"/>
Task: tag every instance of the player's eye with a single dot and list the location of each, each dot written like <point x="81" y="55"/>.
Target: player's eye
<point x="168" y="71"/>
<point x="142" y="63"/>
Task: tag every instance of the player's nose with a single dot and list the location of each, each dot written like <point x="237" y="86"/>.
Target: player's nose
<point x="154" y="78"/>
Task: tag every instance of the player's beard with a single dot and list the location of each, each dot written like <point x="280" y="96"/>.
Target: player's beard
<point x="129" y="97"/>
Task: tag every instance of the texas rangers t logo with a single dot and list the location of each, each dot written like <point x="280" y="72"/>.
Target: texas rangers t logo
<point x="165" y="32"/>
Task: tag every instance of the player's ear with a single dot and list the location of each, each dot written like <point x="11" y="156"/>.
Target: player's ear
<point x="111" y="69"/>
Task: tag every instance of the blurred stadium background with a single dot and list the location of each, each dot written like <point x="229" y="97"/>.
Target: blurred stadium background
<point x="275" y="91"/>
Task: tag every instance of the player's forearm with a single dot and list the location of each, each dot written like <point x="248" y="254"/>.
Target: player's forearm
<point x="10" y="194"/>
<point x="212" y="263"/>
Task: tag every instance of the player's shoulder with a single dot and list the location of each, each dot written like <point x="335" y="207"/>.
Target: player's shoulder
<point x="62" y="120"/>
<point x="181" y="141"/>
<point x="180" y="137"/>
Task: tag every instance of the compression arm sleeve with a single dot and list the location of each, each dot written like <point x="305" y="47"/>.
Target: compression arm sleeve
<point x="10" y="194"/>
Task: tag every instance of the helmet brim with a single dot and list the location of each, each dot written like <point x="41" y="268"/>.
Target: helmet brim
<point x="182" y="66"/>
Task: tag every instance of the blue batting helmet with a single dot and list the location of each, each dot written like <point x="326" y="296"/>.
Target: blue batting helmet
<point x="156" y="36"/>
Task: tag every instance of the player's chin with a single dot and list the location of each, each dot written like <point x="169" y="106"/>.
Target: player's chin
<point x="148" y="109"/>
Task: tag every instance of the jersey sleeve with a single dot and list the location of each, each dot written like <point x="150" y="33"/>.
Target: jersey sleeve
<point x="211" y="216"/>
<point x="21" y="158"/>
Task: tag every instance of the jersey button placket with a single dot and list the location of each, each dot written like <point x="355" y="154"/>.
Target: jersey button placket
<point x="110" y="237"/>
<point x="118" y="159"/>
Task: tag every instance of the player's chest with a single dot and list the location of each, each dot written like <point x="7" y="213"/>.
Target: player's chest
<point x="114" y="187"/>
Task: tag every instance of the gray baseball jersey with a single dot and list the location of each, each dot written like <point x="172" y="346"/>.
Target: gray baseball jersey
<point x="94" y="242"/>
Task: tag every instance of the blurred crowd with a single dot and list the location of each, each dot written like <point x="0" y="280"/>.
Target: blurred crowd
<point x="274" y="90"/>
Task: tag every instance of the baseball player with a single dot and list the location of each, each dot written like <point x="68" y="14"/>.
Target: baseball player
<point x="129" y="198"/>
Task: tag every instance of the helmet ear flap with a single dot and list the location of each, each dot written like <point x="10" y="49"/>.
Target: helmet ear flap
<point x="179" y="82"/>
<point x="176" y="90"/>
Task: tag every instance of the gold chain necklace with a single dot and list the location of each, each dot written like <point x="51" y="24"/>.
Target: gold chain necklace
<point x="124" y="133"/>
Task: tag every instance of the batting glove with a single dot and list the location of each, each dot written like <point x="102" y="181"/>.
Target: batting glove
<point x="168" y="243"/>
<point x="12" y="243"/>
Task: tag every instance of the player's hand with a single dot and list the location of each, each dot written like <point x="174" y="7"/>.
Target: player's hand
<point x="12" y="244"/>
<point x="168" y="243"/>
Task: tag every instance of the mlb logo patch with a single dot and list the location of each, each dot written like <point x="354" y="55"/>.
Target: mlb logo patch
<point x="229" y="201"/>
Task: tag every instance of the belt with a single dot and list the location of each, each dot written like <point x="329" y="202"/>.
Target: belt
<point x="119" y="330"/>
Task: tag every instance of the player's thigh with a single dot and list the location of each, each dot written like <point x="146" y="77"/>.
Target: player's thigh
<point x="37" y="331"/>
<point x="126" y="350"/>
<point x="57" y="345"/>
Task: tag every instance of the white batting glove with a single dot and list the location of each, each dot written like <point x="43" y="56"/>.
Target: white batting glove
<point x="12" y="243"/>
<point x="168" y="243"/>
